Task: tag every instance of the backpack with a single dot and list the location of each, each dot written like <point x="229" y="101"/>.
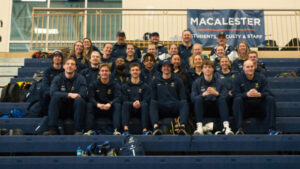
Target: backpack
<point x="131" y="146"/>
<point x="33" y="96"/>
<point x="40" y="54"/>
<point x="288" y="74"/>
<point x="14" y="92"/>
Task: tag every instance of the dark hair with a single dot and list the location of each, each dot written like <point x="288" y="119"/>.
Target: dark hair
<point x="131" y="44"/>
<point x="252" y="51"/>
<point x="70" y="58"/>
<point x="135" y="64"/>
<point x="208" y="63"/>
<point x="107" y="44"/>
<point x="149" y="55"/>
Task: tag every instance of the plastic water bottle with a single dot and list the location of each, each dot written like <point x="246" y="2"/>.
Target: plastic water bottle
<point x="79" y="151"/>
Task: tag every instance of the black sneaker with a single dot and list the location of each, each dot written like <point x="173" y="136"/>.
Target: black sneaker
<point x="157" y="131"/>
<point x="240" y="132"/>
<point x="182" y="131"/>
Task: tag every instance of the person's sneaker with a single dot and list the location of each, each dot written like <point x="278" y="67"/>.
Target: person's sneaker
<point x="199" y="130"/>
<point x="240" y="132"/>
<point x="182" y="131"/>
<point x="18" y="132"/>
<point x="274" y="132"/>
<point x="88" y="133"/>
<point x="116" y="132"/>
<point x="208" y="128"/>
<point x="50" y="132"/>
<point x="228" y="131"/>
<point x="4" y="131"/>
<point x="78" y="133"/>
<point x="157" y="131"/>
<point x="146" y="133"/>
<point x="125" y="133"/>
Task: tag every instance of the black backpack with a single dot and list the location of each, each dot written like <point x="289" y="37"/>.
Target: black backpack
<point x="15" y="92"/>
<point x="131" y="147"/>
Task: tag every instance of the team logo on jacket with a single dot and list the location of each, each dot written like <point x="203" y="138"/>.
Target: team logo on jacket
<point x="128" y="90"/>
<point x="63" y="88"/>
<point x="172" y="84"/>
<point x="232" y="76"/>
<point x="140" y="90"/>
<point x="166" y="83"/>
<point x="202" y="89"/>
<point x="256" y="85"/>
<point x="73" y="88"/>
<point x="108" y="91"/>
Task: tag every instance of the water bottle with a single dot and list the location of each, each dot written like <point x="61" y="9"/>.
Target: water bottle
<point x="79" y="151"/>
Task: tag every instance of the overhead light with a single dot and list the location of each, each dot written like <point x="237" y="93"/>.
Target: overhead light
<point x="44" y="31"/>
<point x="33" y="0"/>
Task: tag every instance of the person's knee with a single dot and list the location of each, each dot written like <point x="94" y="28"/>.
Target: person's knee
<point x="237" y="100"/>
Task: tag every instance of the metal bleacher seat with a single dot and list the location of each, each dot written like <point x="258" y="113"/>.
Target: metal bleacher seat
<point x="29" y="71"/>
<point x="157" y="162"/>
<point x="43" y="62"/>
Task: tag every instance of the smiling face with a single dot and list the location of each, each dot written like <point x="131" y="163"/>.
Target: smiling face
<point x="248" y="68"/>
<point x="166" y="69"/>
<point x="95" y="58"/>
<point x="151" y="49"/>
<point x="130" y="50"/>
<point x="207" y="70"/>
<point x="70" y="66"/>
<point x="135" y="71"/>
<point x="220" y="51"/>
<point x="175" y="60"/>
<point x="107" y="49"/>
<point x="198" y="61"/>
<point x="87" y="43"/>
<point x="57" y="59"/>
<point x="197" y="49"/>
<point x="78" y="47"/>
<point x="186" y="36"/>
<point x="104" y="72"/>
<point x="154" y="39"/>
<point x="224" y="63"/>
<point x="221" y="40"/>
<point x="121" y="39"/>
<point x="253" y="57"/>
<point x="148" y="62"/>
<point x="173" y="49"/>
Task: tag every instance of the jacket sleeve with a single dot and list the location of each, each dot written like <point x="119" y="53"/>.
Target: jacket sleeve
<point x="54" y="89"/>
<point x="265" y="90"/>
<point x="195" y="91"/>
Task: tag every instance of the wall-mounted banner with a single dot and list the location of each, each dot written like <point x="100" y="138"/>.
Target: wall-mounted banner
<point x="238" y="25"/>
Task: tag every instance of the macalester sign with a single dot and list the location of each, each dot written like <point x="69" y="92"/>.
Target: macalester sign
<point x="238" y="25"/>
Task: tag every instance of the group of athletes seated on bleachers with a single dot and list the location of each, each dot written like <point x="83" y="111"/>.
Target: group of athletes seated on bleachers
<point x="122" y="83"/>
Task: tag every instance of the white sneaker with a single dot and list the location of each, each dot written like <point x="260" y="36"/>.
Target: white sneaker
<point x="199" y="130"/>
<point x="208" y="128"/>
<point x="116" y="132"/>
<point x="228" y="131"/>
<point x="88" y="133"/>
